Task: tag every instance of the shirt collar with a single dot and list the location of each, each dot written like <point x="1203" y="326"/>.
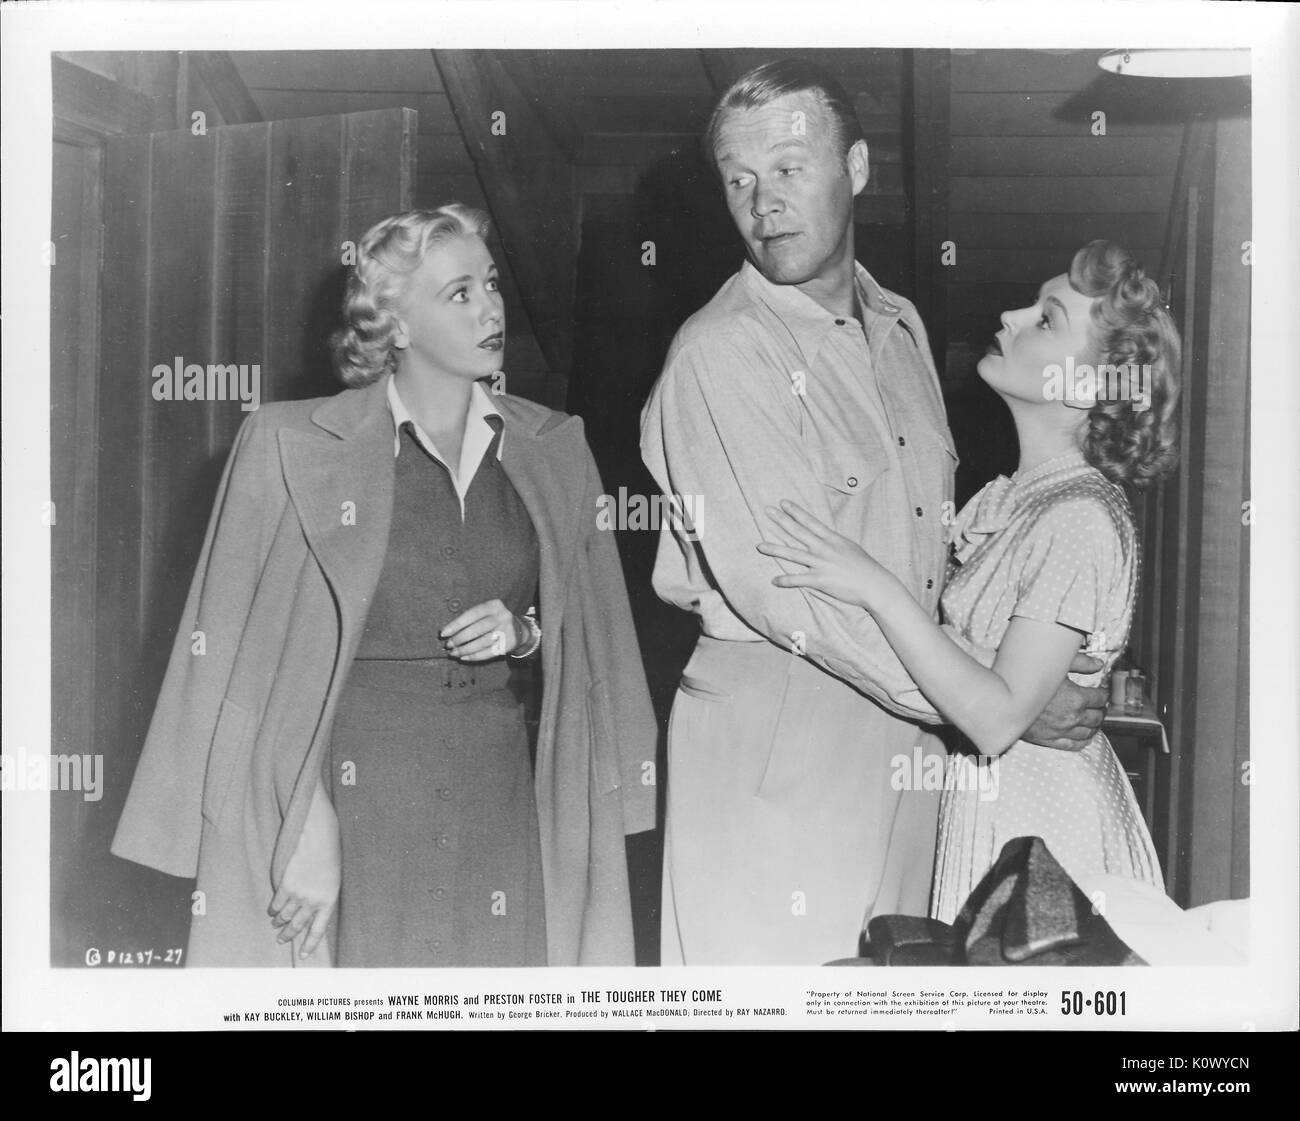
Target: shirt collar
<point x="481" y="410"/>
<point x="807" y="320"/>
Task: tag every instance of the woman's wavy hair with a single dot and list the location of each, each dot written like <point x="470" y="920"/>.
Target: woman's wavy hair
<point x="386" y="256"/>
<point x="1130" y="328"/>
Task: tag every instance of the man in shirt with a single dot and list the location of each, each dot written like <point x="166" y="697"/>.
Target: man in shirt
<point x="799" y="798"/>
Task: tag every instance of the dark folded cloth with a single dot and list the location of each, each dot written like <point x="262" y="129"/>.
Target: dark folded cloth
<point x="908" y="940"/>
<point x="1025" y="911"/>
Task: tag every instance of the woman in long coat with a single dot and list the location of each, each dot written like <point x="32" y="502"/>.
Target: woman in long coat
<point x="239" y="773"/>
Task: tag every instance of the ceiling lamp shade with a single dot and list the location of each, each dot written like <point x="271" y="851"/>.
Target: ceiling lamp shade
<point x="1194" y="62"/>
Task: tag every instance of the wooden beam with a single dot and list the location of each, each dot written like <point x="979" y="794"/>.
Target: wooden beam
<point x="157" y="75"/>
<point x="89" y="103"/>
<point x="1046" y="194"/>
<point x="1063" y="155"/>
<point x="634" y="149"/>
<point x="522" y="69"/>
<point x="721" y="70"/>
<point x="216" y="70"/>
<point x="1197" y="141"/>
<point x="529" y="183"/>
<point x="1039" y="114"/>
<point x="1219" y="836"/>
<point x="1179" y="620"/>
<point x="927" y="89"/>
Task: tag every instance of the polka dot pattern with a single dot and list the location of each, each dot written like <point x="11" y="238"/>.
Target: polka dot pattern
<point x="1068" y="553"/>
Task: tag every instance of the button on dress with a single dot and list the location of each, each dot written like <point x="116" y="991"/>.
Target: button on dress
<point x="429" y="761"/>
<point x="1058" y="545"/>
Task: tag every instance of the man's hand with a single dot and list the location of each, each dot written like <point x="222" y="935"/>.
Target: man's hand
<point x="309" y="891"/>
<point x="1074" y="713"/>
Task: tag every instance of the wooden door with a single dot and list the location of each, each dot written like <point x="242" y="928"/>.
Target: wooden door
<point x="218" y="249"/>
<point x="1192" y="631"/>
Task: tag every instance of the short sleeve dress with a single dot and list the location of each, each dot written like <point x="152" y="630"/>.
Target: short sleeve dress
<point x="1056" y="544"/>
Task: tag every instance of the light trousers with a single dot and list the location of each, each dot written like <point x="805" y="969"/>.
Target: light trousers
<point x="796" y="811"/>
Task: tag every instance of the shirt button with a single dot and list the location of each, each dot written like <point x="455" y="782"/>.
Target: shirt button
<point x="445" y="793"/>
<point x="918" y="511"/>
<point x="902" y="442"/>
<point x="436" y="944"/>
<point x="449" y="550"/>
<point x="929" y="584"/>
<point x="852" y="480"/>
<point x="443" y="840"/>
<point x="454" y="604"/>
<point x="439" y="892"/>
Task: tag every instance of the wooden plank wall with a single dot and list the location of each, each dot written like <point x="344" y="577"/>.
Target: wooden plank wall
<point x="1025" y="183"/>
<point x="528" y="181"/>
<point x="119" y="716"/>
<point x="297" y="84"/>
<point x="224" y="248"/>
<point x="662" y="105"/>
<point x="1030" y="183"/>
<point x="1193" y="627"/>
<point x="1166" y="624"/>
<point x="1215" y="801"/>
<point x="74" y="393"/>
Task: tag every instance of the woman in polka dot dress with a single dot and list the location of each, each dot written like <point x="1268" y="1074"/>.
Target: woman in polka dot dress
<point x="1044" y="563"/>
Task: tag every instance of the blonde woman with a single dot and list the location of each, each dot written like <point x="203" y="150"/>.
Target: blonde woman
<point x="1046" y="565"/>
<point x="347" y="768"/>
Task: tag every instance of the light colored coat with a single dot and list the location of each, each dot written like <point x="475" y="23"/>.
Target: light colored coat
<point x="292" y="556"/>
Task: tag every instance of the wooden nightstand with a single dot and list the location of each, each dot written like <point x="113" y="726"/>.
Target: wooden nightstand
<point x="1137" y="737"/>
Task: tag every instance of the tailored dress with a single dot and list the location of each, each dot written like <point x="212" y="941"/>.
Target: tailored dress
<point x="429" y="766"/>
<point x="1058" y="545"/>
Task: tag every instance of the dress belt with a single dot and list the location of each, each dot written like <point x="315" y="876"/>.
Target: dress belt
<point x="421" y="675"/>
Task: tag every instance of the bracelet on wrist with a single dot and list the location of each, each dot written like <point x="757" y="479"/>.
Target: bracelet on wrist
<point x="535" y="635"/>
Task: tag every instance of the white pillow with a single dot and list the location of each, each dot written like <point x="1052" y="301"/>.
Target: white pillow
<point x="1160" y="932"/>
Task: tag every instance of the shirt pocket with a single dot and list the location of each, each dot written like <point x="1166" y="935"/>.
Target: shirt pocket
<point x="850" y="468"/>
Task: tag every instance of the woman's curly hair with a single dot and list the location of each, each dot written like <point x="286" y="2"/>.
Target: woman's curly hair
<point x="1131" y="330"/>
<point x="388" y="253"/>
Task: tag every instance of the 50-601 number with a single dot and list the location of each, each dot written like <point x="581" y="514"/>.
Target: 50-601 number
<point x="1076" y="1003"/>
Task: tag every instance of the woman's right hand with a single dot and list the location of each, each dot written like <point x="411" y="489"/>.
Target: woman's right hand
<point x="487" y="630"/>
<point x="309" y="890"/>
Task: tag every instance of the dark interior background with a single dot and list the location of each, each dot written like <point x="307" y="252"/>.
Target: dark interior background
<point x="987" y="173"/>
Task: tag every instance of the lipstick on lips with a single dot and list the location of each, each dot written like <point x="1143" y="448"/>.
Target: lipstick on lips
<point x="494" y="341"/>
